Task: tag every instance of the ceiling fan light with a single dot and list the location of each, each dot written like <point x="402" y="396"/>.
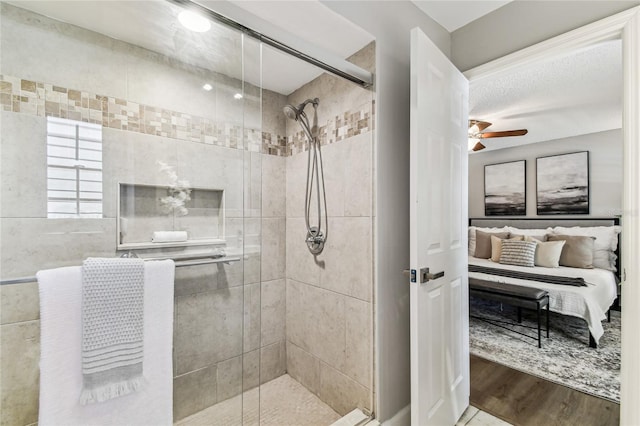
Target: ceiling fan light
<point x="474" y="129"/>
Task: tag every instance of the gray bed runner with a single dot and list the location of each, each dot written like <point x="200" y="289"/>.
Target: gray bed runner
<point x="551" y="279"/>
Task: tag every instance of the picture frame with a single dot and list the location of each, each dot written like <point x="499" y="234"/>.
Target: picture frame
<point x="505" y="189"/>
<point x="562" y="184"/>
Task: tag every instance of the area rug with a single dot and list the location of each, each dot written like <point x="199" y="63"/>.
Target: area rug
<point x="565" y="357"/>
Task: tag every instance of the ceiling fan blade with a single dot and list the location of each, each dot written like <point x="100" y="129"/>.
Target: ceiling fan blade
<point x="480" y="124"/>
<point x="478" y="147"/>
<point x="503" y="134"/>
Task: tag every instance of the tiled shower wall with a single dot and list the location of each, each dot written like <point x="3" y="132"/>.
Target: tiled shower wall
<point x="328" y="304"/>
<point x="330" y="297"/>
<point x="50" y="68"/>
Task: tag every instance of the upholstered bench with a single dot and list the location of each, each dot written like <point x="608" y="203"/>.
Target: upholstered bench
<point x="514" y="295"/>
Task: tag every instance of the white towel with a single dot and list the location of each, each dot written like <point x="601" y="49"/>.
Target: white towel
<point x="169" y="236"/>
<point x="60" y="354"/>
<point x="112" y="328"/>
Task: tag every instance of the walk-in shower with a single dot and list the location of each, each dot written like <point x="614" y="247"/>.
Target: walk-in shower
<point x="316" y="238"/>
<point x="136" y="126"/>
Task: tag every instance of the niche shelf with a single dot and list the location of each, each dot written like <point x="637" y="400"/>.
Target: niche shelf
<point x="143" y="210"/>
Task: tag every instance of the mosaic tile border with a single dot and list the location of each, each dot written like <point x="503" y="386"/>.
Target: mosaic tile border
<point x="343" y="126"/>
<point x="45" y="99"/>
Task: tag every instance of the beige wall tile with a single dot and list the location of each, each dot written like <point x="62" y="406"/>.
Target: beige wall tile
<point x="274" y="186"/>
<point x="301" y="264"/>
<point x="348" y="257"/>
<point x="250" y="369"/>
<point x="273" y="248"/>
<point x="23" y="164"/>
<point x="208" y="328"/>
<point x="303" y="367"/>
<point x="273" y="361"/>
<point x="229" y="380"/>
<point x="273" y="311"/>
<point x="19" y="372"/>
<point x="209" y="166"/>
<point x="35" y="243"/>
<point x="273" y="119"/>
<point x="97" y="66"/>
<point x="359" y="318"/>
<point x="194" y="392"/>
<point x="196" y="279"/>
<point x="252" y="183"/>
<point x="295" y="315"/>
<point x="358" y="175"/>
<point x="296" y="180"/>
<point x="322" y="317"/>
<point x="334" y="163"/>
<point x="342" y="393"/>
<point x="19" y="302"/>
<point x="130" y="157"/>
<point x="251" y="323"/>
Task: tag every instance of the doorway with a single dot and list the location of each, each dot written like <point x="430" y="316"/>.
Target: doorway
<point x="625" y="26"/>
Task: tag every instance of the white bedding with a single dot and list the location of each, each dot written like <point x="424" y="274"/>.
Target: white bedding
<point x="590" y="303"/>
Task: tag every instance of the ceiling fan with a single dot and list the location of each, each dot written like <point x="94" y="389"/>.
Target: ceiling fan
<point x="475" y="134"/>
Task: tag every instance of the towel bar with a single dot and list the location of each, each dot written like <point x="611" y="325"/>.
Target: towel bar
<point x="180" y="261"/>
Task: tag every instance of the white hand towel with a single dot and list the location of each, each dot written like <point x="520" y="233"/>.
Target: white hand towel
<point x="60" y="354"/>
<point x="169" y="236"/>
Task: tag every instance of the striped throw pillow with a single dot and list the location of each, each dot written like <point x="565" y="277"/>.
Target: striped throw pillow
<point x="519" y="253"/>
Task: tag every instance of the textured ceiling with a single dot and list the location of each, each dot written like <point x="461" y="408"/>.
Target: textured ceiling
<point x="568" y="96"/>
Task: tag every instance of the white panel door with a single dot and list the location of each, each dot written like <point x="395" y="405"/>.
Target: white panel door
<point x="439" y="306"/>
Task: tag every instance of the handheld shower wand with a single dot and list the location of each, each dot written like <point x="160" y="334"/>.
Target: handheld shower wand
<point x="316" y="238"/>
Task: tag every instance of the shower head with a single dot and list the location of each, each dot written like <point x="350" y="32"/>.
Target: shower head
<point x="294" y="113"/>
<point x="291" y="112"/>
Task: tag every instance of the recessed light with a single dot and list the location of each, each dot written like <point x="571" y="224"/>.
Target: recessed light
<point x="207" y="87"/>
<point x="194" y="22"/>
<point x="238" y="96"/>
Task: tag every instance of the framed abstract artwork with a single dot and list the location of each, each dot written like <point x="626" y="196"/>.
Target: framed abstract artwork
<point x="505" y="189"/>
<point x="562" y="184"/>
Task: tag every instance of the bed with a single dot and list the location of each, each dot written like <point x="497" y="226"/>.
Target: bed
<point x="590" y="301"/>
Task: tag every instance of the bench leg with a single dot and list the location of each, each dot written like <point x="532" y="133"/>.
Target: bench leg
<point x="547" y="320"/>
<point x="592" y="341"/>
<point x="539" y="333"/>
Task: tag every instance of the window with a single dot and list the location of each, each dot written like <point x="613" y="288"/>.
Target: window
<point x="74" y="169"/>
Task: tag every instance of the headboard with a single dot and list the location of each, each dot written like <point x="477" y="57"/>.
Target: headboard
<point x="535" y="223"/>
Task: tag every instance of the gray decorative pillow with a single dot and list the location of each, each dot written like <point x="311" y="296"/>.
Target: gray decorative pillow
<point x="577" y="251"/>
<point x="519" y="253"/>
<point x="483" y="243"/>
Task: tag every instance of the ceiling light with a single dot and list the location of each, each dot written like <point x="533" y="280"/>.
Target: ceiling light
<point x="194" y="22"/>
<point x="238" y="96"/>
<point x="207" y="87"/>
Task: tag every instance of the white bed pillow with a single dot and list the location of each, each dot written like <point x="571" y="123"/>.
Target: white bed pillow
<point x="472" y="236"/>
<point x="548" y="253"/>
<point x="539" y="233"/>
<point x="605" y="244"/>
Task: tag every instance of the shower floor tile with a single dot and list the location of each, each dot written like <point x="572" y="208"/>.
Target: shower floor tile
<point x="283" y="402"/>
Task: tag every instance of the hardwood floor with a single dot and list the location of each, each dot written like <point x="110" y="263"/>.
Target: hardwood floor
<point x="522" y="399"/>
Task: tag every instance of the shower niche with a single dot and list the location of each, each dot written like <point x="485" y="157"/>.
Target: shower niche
<point x="153" y="216"/>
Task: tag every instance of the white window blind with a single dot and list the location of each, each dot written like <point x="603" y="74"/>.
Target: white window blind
<point x="74" y="169"/>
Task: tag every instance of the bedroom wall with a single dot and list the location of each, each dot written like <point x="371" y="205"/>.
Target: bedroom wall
<point x="605" y="170"/>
